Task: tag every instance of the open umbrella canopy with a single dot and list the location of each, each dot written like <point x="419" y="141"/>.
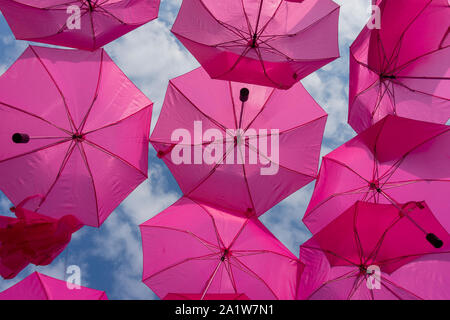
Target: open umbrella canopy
<point x="32" y="238"/>
<point x="81" y="24"/>
<point x="266" y="42"/>
<point x="366" y="253"/>
<point x="73" y="129"/>
<point x="404" y="67"/>
<point x="38" y="286"/>
<point x="243" y="147"/>
<point x="395" y="161"/>
<point x="201" y="249"/>
<point x="223" y="296"/>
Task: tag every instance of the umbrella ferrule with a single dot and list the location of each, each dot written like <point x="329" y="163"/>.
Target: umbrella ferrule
<point x="434" y="240"/>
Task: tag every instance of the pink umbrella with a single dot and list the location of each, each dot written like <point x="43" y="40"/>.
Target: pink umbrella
<point x="243" y="147"/>
<point x="402" y="68"/>
<point x="201" y="249"/>
<point x="224" y="296"/>
<point x="32" y="238"/>
<point x="74" y="129"/>
<point x="266" y="42"/>
<point x="377" y="252"/>
<point x="41" y="287"/>
<point x="395" y="161"/>
<point x="81" y="24"/>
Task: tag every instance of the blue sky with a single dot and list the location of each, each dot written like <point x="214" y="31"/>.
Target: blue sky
<point x="110" y="258"/>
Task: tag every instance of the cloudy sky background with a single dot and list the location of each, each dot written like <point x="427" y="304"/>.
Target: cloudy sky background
<point x="110" y="258"/>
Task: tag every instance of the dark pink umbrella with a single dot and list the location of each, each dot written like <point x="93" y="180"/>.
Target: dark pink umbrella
<point x="404" y="67"/>
<point x="32" y="238"/>
<point x="266" y="42"/>
<point x="377" y="252"/>
<point x="81" y="24"/>
<point x="74" y="129"/>
<point x="243" y="147"/>
<point x="395" y="161"/>
<point x="38" y="286"/>
<point x="203" y="249"/>
<point x="224" y="296"/>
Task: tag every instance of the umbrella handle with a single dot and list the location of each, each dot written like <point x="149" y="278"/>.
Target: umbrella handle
<point x="20" y="138"/>
<point x="434" y="240"/>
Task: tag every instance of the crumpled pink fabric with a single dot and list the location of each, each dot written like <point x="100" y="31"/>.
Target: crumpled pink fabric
<point x="32" y="238"/>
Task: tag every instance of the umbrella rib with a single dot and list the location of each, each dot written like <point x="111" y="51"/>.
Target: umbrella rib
<point x="210" y="173"/>
<point x="246" y="181"/>
<point x="419" y="91"/>
<point x="356" y="284"/>
<point x="210" y="280"/>
<point x="233" y="105"/>
<point x="177" y="264"/>
<point x="85" y="160"/>
<point x="204" y="242"/>
<point x="244" y="268"/>
<point x="111" y="15"/>
<point x="231" y="28"/>
<point x="263" y="251"/>
<point x="416" y="255"/>
<point x="400" y="38"/>
<point x="345" y="276"/>
<point x="61" y="169"/>
<point x="238" y="234"/>
<point x="261" y="110"/>
<point x="347" y="167"/>
<point x="94" y="40"/>
<point x="35" y="116"/>
<point x="231" y="276"/>
<point x="270" y="20"/>
<point x="219" y="238"/>
<point x="332" y="253"/>
<point x="356" y="235"/>
<point x="278" y="164"/>
<point x="119" y="121"/>
<point x="218" y="124"/>
<point x="249" y="25"/>
<point x="100" y="148"/>
<point x="72" y="123"/>
<point x="261" y="61"/>
<point x="37" y="150"/>
<point x="400" y="288"/>
<point x="83" y="123"/>
<point x="244" y="53"/>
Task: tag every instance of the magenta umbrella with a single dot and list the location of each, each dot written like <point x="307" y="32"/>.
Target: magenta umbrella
<point x="377" y="252"/>
<point x="38" y="286"/>
<point x="81" y="24"/>
<point x="266" y="42"/>
<point x="224" y="296"/>
<point x="73" y="129"/>
<point x="194" y="248"/>
<point x="402" y="68"/>
<point x="395" y="161"/>
<point x="240" y="146"/>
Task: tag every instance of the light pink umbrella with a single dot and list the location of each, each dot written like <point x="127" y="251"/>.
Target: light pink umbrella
<point x="404" y="67"/>
<point x="74" y="129"/>
<point x="395" y="161"/>
<point x="38" y="286"/>
<point x="81" y="24"/>
<point x="266" y="42"/>
<point x="32" y="238"/>
<point x="224" y="296"/>
<point x="377" y="252"/>
<point x="201" y="249"/>
<point x="243" y="147"/>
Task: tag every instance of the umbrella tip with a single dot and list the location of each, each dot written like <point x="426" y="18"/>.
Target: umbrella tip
<point x="244" y="94"/>
<point x="434" y="240"/>
<point x="20" y="138"/>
